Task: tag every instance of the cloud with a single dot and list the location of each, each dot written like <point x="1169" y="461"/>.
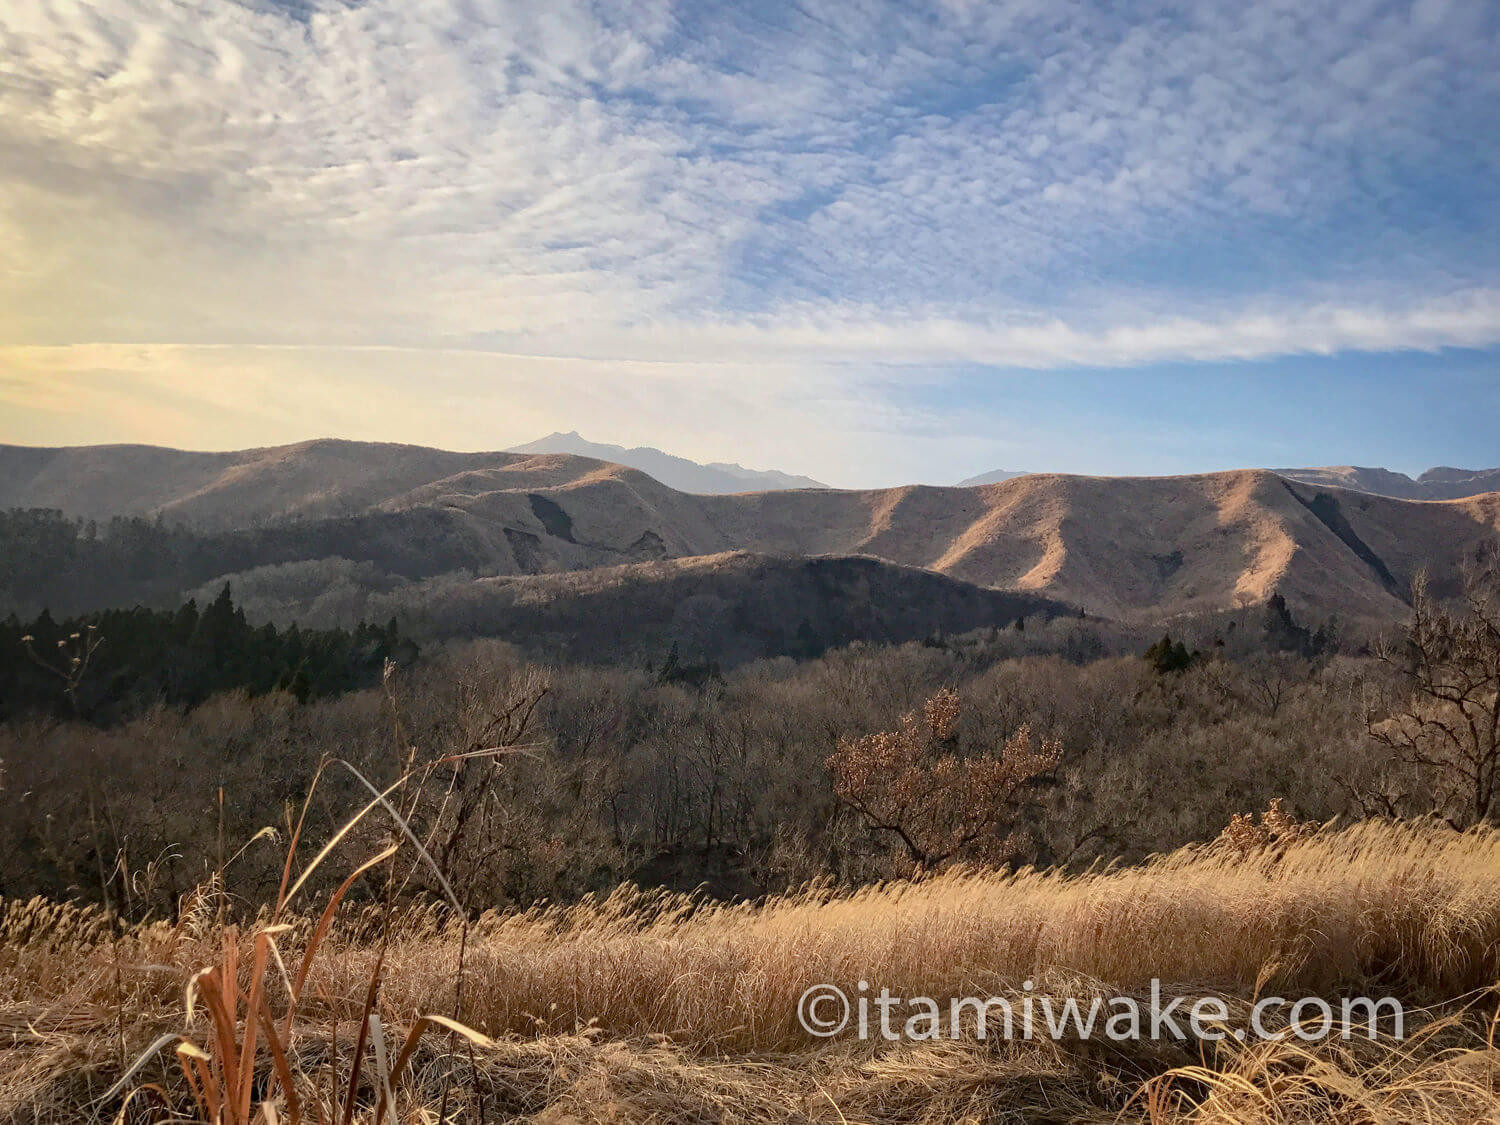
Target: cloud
<point x="786" y="344"/>
<point x="1122" y="338"/>
<point x="714" y="220"/>
<point x="401" y="171"/>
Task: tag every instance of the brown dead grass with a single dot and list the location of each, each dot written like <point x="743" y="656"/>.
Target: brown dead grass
<point x="649" y="1007"/>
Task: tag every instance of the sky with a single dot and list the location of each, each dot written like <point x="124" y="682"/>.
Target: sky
<point x="868" y="242"/>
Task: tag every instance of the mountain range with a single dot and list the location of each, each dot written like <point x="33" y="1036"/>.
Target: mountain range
<point x="715" y="478"/>
<point x="1132" y="548"/>
<point x="1442" y="483"/>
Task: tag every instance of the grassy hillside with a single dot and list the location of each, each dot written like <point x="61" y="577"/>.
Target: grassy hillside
<point x="646" y="1007"/>
<point x="216" y="491"/>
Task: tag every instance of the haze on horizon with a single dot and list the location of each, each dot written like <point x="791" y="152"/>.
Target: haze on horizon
<point x="869" y="243"/>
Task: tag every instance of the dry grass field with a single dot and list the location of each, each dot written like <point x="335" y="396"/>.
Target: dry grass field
<point x="647" y="1007"/>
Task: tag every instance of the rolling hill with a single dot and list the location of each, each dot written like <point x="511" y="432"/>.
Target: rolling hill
<point x="676" y="472"/>
<point x="1135" y="548"/>
<point x="253" y="486"/>
<point x="725" y="607"/>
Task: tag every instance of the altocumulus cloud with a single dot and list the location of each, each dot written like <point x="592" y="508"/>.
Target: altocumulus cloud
<point x="1029" y="183"/>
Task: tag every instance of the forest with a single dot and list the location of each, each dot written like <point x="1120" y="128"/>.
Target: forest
<point x="104" y="667"/>
<point x="552" y="781"/>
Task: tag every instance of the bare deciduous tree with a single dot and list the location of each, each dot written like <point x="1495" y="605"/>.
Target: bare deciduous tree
<point x="1449" y="724"/>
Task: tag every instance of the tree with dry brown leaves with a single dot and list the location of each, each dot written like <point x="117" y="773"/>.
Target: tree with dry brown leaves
<point x="912" y="785"/>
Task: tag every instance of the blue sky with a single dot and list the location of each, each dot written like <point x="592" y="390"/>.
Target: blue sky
<point x="867" y="241"/>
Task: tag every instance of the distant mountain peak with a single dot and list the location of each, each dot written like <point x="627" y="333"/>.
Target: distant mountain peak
<point x="994" y="476"/>
<point x="1446" y="474"/>
<point x="1440" y="483"/>
<point x="713" y="479"/>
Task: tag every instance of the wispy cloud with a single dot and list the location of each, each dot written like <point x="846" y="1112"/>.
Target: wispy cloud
<point x="1468" y="319"/>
